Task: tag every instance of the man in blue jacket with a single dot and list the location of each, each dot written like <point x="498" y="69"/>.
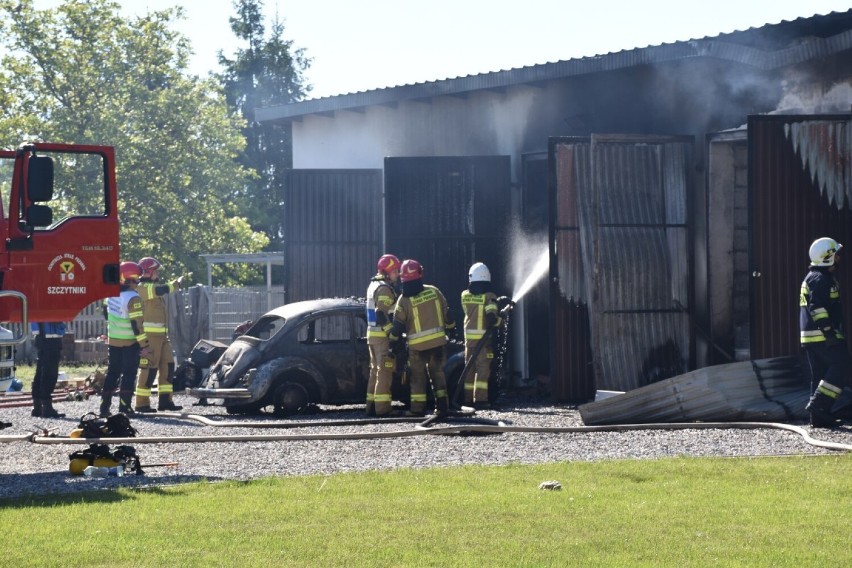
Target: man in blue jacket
<point x="48" y="341"/>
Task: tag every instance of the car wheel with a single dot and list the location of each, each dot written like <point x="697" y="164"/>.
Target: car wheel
<point x="290" y="398"/>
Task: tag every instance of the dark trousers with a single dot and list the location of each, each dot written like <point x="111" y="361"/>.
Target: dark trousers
<point x="123" y="363"/>
<point x="829" y="364"/>
<point x="47" y="366"/>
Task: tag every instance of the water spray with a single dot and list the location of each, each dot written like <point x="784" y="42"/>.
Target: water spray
<point x="536" y="273"/>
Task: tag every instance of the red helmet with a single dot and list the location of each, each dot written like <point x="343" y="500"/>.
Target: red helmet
<point x="129" y="271"/>
<point x="149" y="265"/>
<point x="387" y="263"/>
<point x="411" y="270"/>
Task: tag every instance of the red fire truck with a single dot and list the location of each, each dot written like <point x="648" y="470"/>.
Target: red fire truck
<point x="58" y="231"/>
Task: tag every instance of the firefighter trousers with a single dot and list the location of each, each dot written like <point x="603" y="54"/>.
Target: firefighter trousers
<point x="382" y="363"/>
<point x="428" y="365"/>
<point x="121" y="373"/>
<point x="158" y="366"/>
<point x="476" y="381"/>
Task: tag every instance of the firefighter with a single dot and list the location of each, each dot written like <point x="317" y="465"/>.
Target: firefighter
<point x="381" y="297"/>
<point x="48" y="342"/>
<point x="482" y="311"/>
<point x="823" y="333"/>
<point x="423" y="315"/>
<point x="126" y="339"/>
<point x="161" y="360"/>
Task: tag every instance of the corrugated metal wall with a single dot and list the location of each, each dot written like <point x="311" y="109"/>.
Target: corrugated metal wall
<point x="571" y="370"/>
<point x="636" y="256"/>
<point x="447" y="213"/>
<point x="798" y="175"/>
<point x="333" y="223"/>
<point x="621" y="241"/>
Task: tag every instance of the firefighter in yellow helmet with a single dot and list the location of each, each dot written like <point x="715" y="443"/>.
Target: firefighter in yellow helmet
<point x="423" y="315"/>
<point x="126" y="338"/>
<point x="381" y="298"/>
<point x="481" y="308"/>
<point x="161" y="360"/>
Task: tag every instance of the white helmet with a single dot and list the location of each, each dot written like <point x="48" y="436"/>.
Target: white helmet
<point x="479" y="273"/>
<point x="822" y="251"/>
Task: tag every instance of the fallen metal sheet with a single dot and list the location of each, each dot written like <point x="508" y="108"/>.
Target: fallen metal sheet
<point x="766" y="390"/>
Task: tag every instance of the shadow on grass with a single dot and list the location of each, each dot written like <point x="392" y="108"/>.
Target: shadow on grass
<point x="48" y="489"/>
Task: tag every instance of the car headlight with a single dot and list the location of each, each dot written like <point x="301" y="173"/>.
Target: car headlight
<point x="248" y="377"/>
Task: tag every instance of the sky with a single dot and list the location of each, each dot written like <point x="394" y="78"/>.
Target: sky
<point x="371" y="44"/>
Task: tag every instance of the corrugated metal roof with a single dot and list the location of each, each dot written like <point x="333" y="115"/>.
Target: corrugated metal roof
<point x="767" y="47"/>
<point x="768" y="390"/>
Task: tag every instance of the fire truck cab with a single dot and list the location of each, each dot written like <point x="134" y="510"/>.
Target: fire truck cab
<point x="58" y="231"/>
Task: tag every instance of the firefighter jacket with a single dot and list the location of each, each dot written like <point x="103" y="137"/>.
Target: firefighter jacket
<point x="123" y="312"/>
<point x="48" y="329"/>
<point x="424" y="317"/>
<point x="381" y="298"/>
<point x="820" y="310"/>
<point x="154" y="304"/>
<point x="480" y="313"/>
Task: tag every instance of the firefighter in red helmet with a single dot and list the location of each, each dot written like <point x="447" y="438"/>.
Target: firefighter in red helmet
<point x="423" y="315"/>
<point x="381" y="297"/>
<point x="160" y="364"/>
<point x="126" y="339"/>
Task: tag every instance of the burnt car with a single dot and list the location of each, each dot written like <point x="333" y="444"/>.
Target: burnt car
<point x="302" y="354"/>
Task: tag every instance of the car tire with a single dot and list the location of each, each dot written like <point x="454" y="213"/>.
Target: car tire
<point x="290" y="398"/>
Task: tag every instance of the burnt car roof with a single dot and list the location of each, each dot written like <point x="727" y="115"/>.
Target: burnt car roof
<point x="296" y="309"/>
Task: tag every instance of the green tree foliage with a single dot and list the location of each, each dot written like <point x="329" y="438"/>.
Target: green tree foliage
<point x="80" y="73"/>
<point x="267" y="71"/>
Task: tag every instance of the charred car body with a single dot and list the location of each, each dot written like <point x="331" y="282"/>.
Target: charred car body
<point x="311" y="352"/>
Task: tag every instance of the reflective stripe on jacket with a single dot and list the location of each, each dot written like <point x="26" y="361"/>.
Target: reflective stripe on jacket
<point x="381" y="298"/>
<point x="820" y="310"/>
<point x="423" y="317"/>
<point x="475" y="308"/>
<point x="154" y="305"/>
<point x="50" y="329"/>
<point x="121" y="311"/>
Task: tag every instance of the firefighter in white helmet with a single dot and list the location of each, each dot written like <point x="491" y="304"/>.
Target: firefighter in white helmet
<point x="160" y="361"/>
<point x="822" y="334"/>
<point x="481" y="308"/>
<point x="381" y="298"/>
<point x="423" y="315"/>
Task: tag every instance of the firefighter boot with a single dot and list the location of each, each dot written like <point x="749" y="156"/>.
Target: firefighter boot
<point x="106" y="402"/>
<point x="820" y="405"/>
<point x="47" y="410"/>
<point x="36" y="407"/>
<point x="442" y="406"/>
<point x="125" y="408"/>
<point x="165" y="403"/>
<point x="842" y="407"/>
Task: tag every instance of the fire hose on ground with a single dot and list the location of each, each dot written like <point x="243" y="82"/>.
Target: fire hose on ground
<point x="421" y="430"/>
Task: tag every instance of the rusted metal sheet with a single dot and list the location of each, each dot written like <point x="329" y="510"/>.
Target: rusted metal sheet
<point x="796" y="182"/>
<point x="447" y="213"/>
<point x="767" y="390"/>
<point x="571" y="370"/>
<point x="333" y="232"/>
<point x="634" y="234"/>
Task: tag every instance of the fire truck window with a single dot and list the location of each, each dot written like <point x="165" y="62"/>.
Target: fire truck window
<point x="7" y="165"/>
<point x="79" y="186"/>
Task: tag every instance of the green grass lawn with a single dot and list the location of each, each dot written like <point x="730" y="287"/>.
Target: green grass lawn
<point x="74" y="370"/>
<point x="790" y="511"/>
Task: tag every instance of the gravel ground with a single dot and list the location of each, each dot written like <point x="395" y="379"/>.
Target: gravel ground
<point x="28" y="468"/>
